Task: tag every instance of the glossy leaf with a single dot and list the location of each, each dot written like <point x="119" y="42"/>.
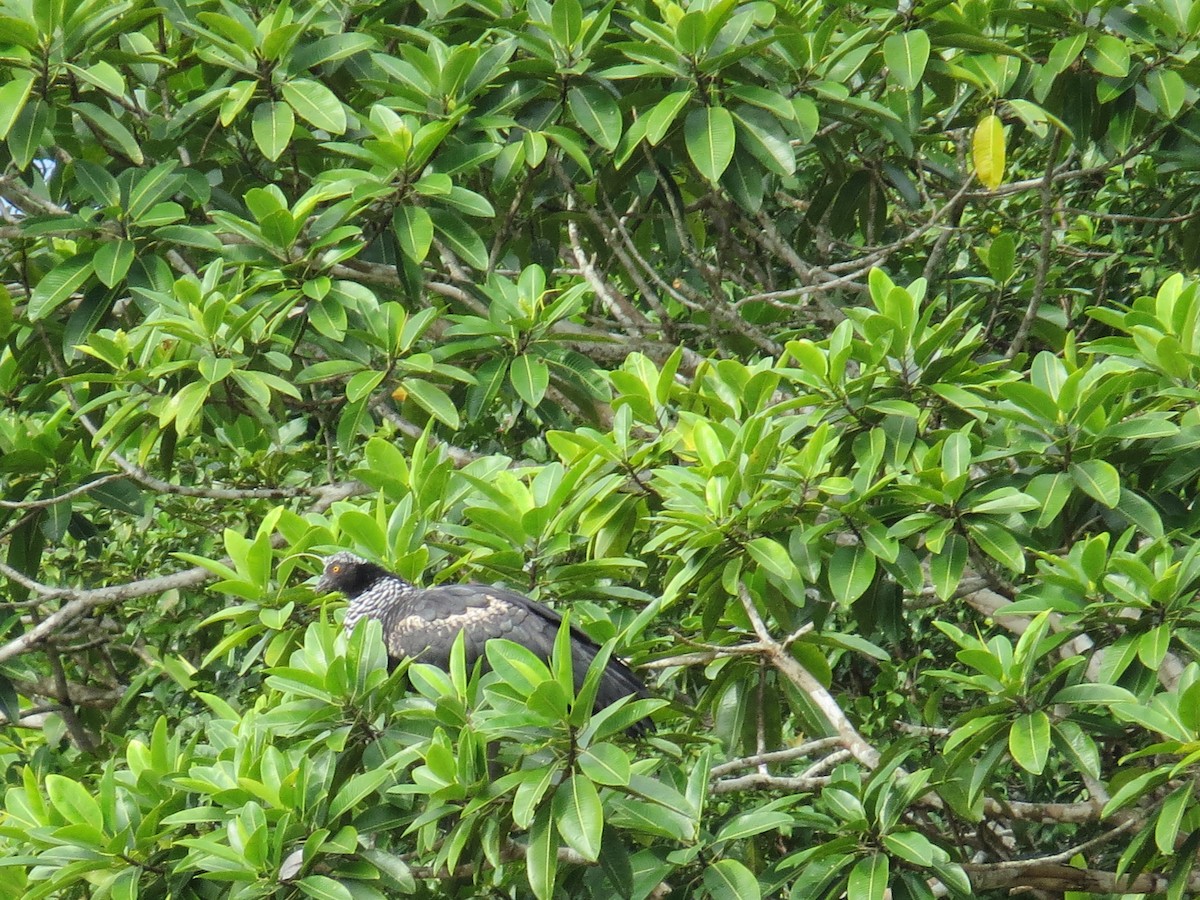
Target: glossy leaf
<point x="728" y="879"/>
<point x="414" y="231"/>
<point x="869" y="878"/>
<point x="710" y="139"/>
<point x="112" y="261"/>
<point x="597" y="113"/>
<point x="273" y="126"/>
<point x="1029" y="741"/>
<point x="851" y="571"/>
<point x="314" y="103"/>
<point x="906" y="56"/>
<point x="460" y="237"/>
<point x="578" y="816"/>
<point x="57" y="285"/>
<point x="13" y="96"/>
<point x="530" y="378"/>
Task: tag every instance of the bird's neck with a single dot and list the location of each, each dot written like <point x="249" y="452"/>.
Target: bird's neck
<point x="381" y="596"/>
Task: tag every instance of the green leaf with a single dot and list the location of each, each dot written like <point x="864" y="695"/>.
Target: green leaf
<point x="710" y="138"/>
<point x="597" y="113"/>
<point x="237" y="95"/>
<point x="567" y="139"/>
<point x="946" y="568"/>
<point x="605" y="764"/>
<point x="1098" y="479"/>
<point x="772" y="556"/>
<point x="184" y="406"/>
<point x="541" y="853"/>
<point x="1109" y="56"/>
<point x="663" y="115"/>
<point x="489" y="378"/>
<point x="911" y="846"/>
<point x="566" y="21"/>
<point x="1093" y="692"/>
<point x="112" y="261"/>
<point x="153" y="186"/>
<point x="530" y="377"/>
<point x="469" y="202"/>
<point x="773" y="101"/>
<point x="1065" y="51"/>
<point x="460" y="237"/>
<point x="73" y="801"/>
<point x="728" y="879"/>
<point x="1169" y="91"/>
<point x="26" y="133"/>
<point x="1170" y="817"/>
<point x="414" y="231"/>
<point x="998" y="543"/>
<point x="57" y="285"/>
<point x="315" y="104"/>
<point x="1153" y="646"/>
<point x="579" y="816"/>
<point x="6" y="312"/>
<point x="13" y="96"/>
<point x="189" y="236"/>
<point x="1029" y="741"/>
<point x="754" y="822"/>
<point x="1139" y="511"/>
<point x="1001" y="256"/>
<point x="97" y="181"/>
<point x="1001" y="502"/>
<point x="322" y="887"/>
<point x="118" y="136"/>
<point x="392" y="866"/>
<point x="362" y="384"/>
<point x="329" y="49"/>
<point x="869" y="878"/>
<point x="356" y="789"/>
<point x="762" y="135"/>
<point x="906" y="56"/>
<point x="851" y="571"/>
<point x="122" y="495"/>
<point x="433" y="400"/>
<point x="272" y="127"/>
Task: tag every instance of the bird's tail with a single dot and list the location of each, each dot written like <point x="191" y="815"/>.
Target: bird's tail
<point x="617" y="683"/>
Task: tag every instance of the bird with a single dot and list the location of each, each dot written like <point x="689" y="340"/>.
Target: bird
<point x="422" y="623"/>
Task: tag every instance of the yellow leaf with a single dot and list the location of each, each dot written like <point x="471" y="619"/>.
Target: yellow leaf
<point x="987" y="151"/>
<point x="400" y="394"/>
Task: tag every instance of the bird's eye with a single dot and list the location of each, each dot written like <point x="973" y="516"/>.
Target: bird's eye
<point x="335" y="568"/>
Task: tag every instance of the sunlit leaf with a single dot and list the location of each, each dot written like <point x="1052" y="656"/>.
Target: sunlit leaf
<point x="906" y="55"/>
<point x="316" y="104"/>
<point x="273" y="126"/>
<point x="987" y="151"/>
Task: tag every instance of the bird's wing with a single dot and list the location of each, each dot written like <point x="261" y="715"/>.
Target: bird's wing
<point x="537" y="629"/>
<point x="432" y="619"/>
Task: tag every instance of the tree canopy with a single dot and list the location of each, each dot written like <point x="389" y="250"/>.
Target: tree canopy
<point x="836" y="364"/>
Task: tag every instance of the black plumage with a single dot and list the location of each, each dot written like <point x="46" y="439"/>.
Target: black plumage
<point x="423" y="623"/>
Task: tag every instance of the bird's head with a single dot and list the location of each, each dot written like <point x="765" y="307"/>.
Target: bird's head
<point x="349" y="574"/>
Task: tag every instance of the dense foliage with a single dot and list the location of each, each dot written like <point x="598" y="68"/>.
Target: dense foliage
<point x="830" y="362"/>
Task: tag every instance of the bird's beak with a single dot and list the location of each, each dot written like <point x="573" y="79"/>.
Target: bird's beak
<point x="322" y="586"/>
